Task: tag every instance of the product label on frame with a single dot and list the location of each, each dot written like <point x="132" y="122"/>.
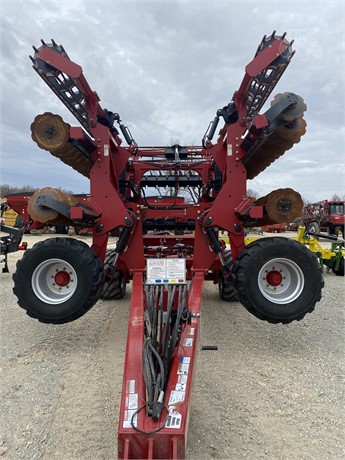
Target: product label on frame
<point x="166" y="271"/>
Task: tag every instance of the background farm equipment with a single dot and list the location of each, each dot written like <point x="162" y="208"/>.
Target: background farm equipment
<point x="10" y="239"/>
<point x="20" y="216"/>
<point x="332" y="258"/>
<point x="324" y="216"/>
<point x="274" y="228"/>
<point x="276" y="279"/>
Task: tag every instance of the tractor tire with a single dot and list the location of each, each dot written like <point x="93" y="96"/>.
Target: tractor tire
<point x="314" y="227"/>
<point x="278" y="279"/>
<point x="340" y="271"/>
<point x="20" y="223"/>
<point x="58" y="280"/>
<point x="226" y="289"/>
<point x="115" y="284"/>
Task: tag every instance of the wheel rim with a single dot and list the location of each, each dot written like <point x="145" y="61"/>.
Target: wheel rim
<point x="281" y="281"/>
<point x="54" y="281"/>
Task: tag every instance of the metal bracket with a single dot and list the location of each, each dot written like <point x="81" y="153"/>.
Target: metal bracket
<point x="64" y="209"/>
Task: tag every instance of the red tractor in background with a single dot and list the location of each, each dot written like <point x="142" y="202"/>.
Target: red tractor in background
<point x="276" y="279"/>
<point x="324" y="216"/>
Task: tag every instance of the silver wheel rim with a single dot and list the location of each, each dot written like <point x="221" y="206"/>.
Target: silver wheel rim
<point x="281" y="281"/>
<point x="54" y="281"/>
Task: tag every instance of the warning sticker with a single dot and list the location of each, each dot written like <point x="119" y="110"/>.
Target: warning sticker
<point x="128" y="415"/>
<point x="174" y="419"/>
<point x="156" y="269"/>
<point x="182" y="380"/>
<point x="176" y="268"/>
<point x="181" y="383"/>
<point x="180" y="387"/>
<point x="188" y="342"/>
<point x="176" y="397"/>
<point x="131" y="405"/>
<point x="130" y="386"/>
<point x="166" y="271"/>
<point x="132" y="401"/>
<point x="183" y="368"/>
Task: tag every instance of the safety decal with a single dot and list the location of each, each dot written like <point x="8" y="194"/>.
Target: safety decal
<point x="181" y="382"/>
<point x="128" y="414"/>
<point x="176" y="397"/>
<point x="131" y="405"/>
<point x="183" y="366"/>
<point x="174" y="418"/>
<point x="132" y="401"/>
<point x="188" y="342"/>
<point x="130" y="386"/>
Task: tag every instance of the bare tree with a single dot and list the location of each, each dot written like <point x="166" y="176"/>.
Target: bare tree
<point x="252" y="193"/>
<point x="7" y="189"/>
<point x="337" y="197"/>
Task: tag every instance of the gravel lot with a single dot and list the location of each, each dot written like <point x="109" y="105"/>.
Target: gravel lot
<point x="270" y="391"/>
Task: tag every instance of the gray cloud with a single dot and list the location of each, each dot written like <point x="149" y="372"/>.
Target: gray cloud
<point x="166" y="67"/>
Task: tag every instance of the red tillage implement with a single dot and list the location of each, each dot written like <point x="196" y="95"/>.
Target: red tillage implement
<point x="170" y="244"/>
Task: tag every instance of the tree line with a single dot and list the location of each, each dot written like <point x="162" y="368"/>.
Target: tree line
<point x="7" y="189"/>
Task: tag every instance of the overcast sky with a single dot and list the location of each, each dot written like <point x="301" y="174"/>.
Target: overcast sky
<point x="166" y="67"/>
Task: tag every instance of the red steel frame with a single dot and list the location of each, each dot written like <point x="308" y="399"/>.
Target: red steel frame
<point x="171" y="441"/>
<point x="223" y="210"/>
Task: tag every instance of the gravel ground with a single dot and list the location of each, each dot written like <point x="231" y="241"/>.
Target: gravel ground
<point x="270" y="391"/>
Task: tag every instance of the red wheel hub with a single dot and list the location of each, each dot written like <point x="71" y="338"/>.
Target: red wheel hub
<point x="274" y="278"/>
<point x="62" y="278"/>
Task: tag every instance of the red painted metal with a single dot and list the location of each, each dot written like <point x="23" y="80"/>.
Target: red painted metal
<point x="274" y="278"/>
<point x="62" y="278"/>
<point x="169" y="442"/>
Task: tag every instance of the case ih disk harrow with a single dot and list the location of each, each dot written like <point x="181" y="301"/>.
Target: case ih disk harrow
<point x="276" y="279"/>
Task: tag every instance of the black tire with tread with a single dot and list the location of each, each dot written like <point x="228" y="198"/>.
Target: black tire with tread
<point x="226" y="289"/>
<point x="19" y="223"/>
<point x="90" y="274"/>
<point x="248" y="265"/>
<point x="114" y="285"/>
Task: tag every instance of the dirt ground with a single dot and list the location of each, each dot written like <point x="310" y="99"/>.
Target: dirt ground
<point x="269" y="392"/>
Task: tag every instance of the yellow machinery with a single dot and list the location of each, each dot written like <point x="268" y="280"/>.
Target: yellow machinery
<point x="332" y="258"/>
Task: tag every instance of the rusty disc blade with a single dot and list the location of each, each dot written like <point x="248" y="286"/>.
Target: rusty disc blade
<point x="283" y="205"/>
<point x="274" y="146"/>
<point x="49" y="131"/>
<point x="293" y="132"/>
<point x="46" y="215"/>
<point x="38" y="213"/>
